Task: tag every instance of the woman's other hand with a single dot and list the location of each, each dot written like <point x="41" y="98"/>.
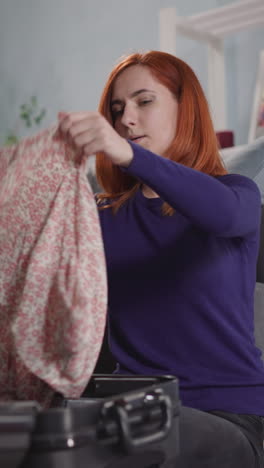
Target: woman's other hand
<point x="91" y="133"/>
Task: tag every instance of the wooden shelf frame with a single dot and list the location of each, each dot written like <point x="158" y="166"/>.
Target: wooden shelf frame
<point x="211" y="27"/>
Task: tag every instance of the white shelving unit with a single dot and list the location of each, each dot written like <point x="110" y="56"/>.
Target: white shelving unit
<point x="211" y="27"/>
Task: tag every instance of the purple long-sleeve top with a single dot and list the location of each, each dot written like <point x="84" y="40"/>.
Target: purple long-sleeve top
<point x="181" y="287"/>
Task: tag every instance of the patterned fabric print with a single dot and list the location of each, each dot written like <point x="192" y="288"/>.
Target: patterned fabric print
<point x="53" y="289"/>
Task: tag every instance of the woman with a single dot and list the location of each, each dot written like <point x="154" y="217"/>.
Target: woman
<point x="181" y="242"/>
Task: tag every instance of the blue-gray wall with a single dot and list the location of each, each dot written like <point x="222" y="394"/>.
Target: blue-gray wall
<point x="62" y="51"/>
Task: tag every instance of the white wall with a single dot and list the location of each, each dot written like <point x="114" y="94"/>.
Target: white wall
<point x="62" y="51"/>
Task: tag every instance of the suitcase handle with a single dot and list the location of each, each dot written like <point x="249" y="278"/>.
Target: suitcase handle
<point x="149" y="405"/>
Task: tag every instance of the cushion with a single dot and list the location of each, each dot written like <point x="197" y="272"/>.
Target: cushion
<point x="225" y="138"/>
<point x="247" y="160"/>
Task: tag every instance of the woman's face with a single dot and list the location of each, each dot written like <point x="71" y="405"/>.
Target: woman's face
<point x="143" y="109"/>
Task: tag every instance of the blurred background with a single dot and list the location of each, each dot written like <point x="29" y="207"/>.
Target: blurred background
<point x="57" y="54"/>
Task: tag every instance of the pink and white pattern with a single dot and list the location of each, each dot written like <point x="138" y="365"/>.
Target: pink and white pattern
<point x="53" y="288"/>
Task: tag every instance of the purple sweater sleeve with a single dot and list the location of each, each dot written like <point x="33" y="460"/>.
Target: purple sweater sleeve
<point x="227" y="206"/>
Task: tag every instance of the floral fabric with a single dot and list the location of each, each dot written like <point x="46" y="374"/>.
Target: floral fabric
<point x="53" y="289"/>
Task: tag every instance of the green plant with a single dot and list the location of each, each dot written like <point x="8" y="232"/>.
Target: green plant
<point x="30" y="115"/>
<point x="11" y="139"/>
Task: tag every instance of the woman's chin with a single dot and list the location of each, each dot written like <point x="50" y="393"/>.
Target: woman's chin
<point x="143" y="142"/>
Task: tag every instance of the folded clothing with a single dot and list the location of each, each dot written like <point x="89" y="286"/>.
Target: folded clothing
<point x="53" y="288"/>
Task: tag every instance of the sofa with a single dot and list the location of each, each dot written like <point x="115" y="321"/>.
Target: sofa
<point x="248" y="160"/>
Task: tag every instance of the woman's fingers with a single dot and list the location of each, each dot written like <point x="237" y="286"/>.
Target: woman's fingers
<point x="84" y="138"/>
<point x="91" y="133"/>
<point x="87" y="124"/>
<point x="75" y="120"/>
<point x="62" y="115"/>
<point x="82" y="128"/>
<point x="91" y="148"/>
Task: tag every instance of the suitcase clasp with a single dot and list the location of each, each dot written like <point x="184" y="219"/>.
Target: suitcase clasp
<point x="137" y="420"/>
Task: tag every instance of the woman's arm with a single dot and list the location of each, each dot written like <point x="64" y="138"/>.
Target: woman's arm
<point x="228" y="205"/>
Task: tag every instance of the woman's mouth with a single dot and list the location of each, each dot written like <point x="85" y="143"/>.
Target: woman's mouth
<point x="137" y="139"/>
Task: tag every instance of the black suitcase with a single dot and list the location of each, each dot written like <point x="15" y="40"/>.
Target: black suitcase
<point x="17" y="422"/>
<point x="120" y="422"/>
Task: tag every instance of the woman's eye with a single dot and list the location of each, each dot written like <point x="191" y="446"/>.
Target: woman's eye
<point x="144" y="102"/>
<point x="116" y="112"/>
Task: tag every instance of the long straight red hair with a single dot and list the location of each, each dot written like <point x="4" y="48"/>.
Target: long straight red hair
<point x="195" y="144"/>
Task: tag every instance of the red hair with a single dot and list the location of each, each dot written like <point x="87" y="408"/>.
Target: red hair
<point x="195" y="144"/>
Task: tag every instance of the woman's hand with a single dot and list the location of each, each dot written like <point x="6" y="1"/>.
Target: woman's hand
<point x="91" y="133"/>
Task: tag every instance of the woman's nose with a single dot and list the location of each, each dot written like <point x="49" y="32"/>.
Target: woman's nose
<point x="129" y="117"/>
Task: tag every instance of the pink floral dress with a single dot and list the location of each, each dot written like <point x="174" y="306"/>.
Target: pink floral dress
<point x="53" y="289"/>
